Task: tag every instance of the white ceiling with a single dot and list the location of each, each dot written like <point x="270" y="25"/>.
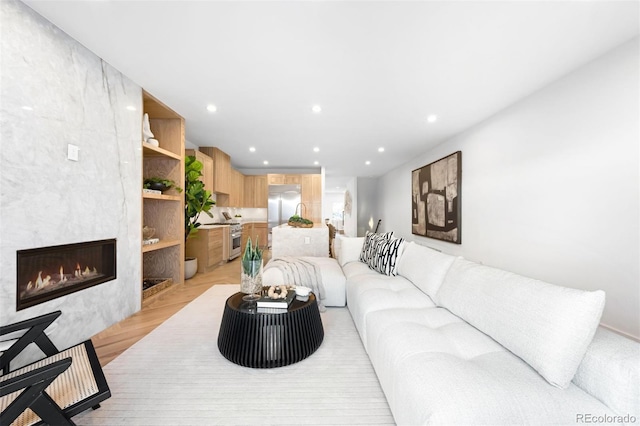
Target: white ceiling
<point x="377" y="69"/>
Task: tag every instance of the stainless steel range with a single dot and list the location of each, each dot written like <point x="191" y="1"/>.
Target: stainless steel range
<point x="235" y="238"/>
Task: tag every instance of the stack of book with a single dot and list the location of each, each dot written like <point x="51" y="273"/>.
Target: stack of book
<point x="267" y="305"/>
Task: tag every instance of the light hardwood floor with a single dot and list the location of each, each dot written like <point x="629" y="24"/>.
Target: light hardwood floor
<point x="116" y="339"/>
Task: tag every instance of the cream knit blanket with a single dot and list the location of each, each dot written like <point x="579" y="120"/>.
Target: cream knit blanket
<point x="301" y="272"/>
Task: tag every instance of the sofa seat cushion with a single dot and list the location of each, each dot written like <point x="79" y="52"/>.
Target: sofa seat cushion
<point x="368" y="293"/>
<point x="436" y="369"/>
<point x="353" y="269"/>
<point x="548" y="326"/>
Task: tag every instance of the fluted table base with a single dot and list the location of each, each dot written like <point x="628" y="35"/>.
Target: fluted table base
<point x="266" y="340"/>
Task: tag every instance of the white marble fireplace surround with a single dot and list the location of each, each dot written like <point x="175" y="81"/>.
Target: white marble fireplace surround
<point x="56" y="92"/>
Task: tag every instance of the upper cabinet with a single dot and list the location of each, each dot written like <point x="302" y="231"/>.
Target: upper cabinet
<point x="164" y="212"/>
<point x="207" y="167"/>
<point x="279" y="179"/>
<point x="222" y="179"/>
<point x="311" y="197"/>
<point x="256" y="191"/>
<point x="236" y="195"/>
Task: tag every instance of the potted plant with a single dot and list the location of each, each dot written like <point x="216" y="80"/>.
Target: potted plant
<point x="196" y="200"/>
<point x="251" y="273"/>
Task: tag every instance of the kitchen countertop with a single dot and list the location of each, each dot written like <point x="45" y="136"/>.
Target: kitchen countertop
<point x="209" y="226"/>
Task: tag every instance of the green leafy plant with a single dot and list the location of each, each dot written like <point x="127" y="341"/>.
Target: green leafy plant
<point x="196" y="199"/>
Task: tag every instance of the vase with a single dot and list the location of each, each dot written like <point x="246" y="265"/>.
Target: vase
<point x="190" y="267"/>
<point x="251" y="279"/>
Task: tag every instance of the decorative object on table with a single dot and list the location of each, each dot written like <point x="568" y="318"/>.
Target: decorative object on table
<point x="251" y="272"/>
<point x="435" y="199"/>
<point x="196" y="200"/>
<point x="277" y="296"/>
<point x="147" y="135"/>
<point x="160" y="184"/>
<point x="302" y="293"/>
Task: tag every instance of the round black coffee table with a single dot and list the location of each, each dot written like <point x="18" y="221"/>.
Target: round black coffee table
<point x="252" y="338"/>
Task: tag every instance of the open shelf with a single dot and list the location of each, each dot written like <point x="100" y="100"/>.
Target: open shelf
<point x="149" y="150"/>
<point x="152" y="196"/>
<point x="161" y="245"/>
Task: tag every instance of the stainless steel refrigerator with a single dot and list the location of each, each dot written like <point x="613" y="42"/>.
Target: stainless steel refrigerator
<point x="283" y="200"/>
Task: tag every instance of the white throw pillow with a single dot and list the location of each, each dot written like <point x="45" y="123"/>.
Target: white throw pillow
<point x="424" y="267"/>
<point x="548" y="326"/>
<point x="386" y="255"/>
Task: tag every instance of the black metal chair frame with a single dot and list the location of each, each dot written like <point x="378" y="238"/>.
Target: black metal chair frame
<point x="35" y="382"/>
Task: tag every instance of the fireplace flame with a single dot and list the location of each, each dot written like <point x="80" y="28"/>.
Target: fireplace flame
<point x="78" y="274"/>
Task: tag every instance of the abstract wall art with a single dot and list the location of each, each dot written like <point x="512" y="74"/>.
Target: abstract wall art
<point x="435" y="199"/>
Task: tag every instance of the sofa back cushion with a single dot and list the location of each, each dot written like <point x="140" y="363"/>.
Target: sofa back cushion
<point x="424" y="267"/>
<point x="610" y="371"/>
<point x="548" y="326"/>
<point x="348" y="249"/>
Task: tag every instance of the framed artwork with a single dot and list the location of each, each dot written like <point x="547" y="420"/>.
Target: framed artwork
<point x="435" y="199"/>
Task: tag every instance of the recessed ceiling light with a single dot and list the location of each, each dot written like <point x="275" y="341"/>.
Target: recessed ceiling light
<point x="265" y="162"/>
<point x="367" y="162"/>
<point x="316" y="149"/>
<point x="252" y="148"/>
<point x="432" y="118"/>
<point x="381" y="149"/>
<point x="131" y="108"/>
<point x="316" y="163"/>
<point x="212" y="108"/>
<point x="316" y="108"/>
<point x="27" y="108"/>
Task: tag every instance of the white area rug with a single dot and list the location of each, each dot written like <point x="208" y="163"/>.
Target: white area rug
<point x="177" y="376"/>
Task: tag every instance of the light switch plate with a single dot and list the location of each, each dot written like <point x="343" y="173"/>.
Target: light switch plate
<point x="72" y="152"/>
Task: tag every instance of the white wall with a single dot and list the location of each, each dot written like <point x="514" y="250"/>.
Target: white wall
<point x="351" y="219"/>
<point x="74" y="98"/>
<point x="550" y="186"/>
<point x="368" y="215"/>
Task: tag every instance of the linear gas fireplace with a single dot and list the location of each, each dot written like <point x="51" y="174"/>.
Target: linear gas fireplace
<point x="49" y="272"/>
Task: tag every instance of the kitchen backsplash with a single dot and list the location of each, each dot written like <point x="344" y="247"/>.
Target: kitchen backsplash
<point x="246" y="214"/>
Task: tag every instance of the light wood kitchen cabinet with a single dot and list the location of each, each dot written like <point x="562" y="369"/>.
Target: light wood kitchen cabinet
<point x="257" y="231"/>
<point x="163" y="212"/>
<point x="256" y="191"/>
<point x="208" y="246"/>
<point x="236" y="196"/>
<point x="311" y="197"/>
<point x="279" y="179"/>
<point x="292" y="179"/>
<point x="221" y="181"/>
<point x="275" y="179"/>
<point x="207" y="167"/>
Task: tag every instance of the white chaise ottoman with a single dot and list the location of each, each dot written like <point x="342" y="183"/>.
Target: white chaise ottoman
<point x="333" y="280"/>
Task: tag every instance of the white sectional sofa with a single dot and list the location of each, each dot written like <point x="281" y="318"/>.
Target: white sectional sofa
<point x="455" y="342"/>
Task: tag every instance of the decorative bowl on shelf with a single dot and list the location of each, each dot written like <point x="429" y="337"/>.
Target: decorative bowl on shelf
<point x="158" y="186"/>
<point x="148" y="232"/>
